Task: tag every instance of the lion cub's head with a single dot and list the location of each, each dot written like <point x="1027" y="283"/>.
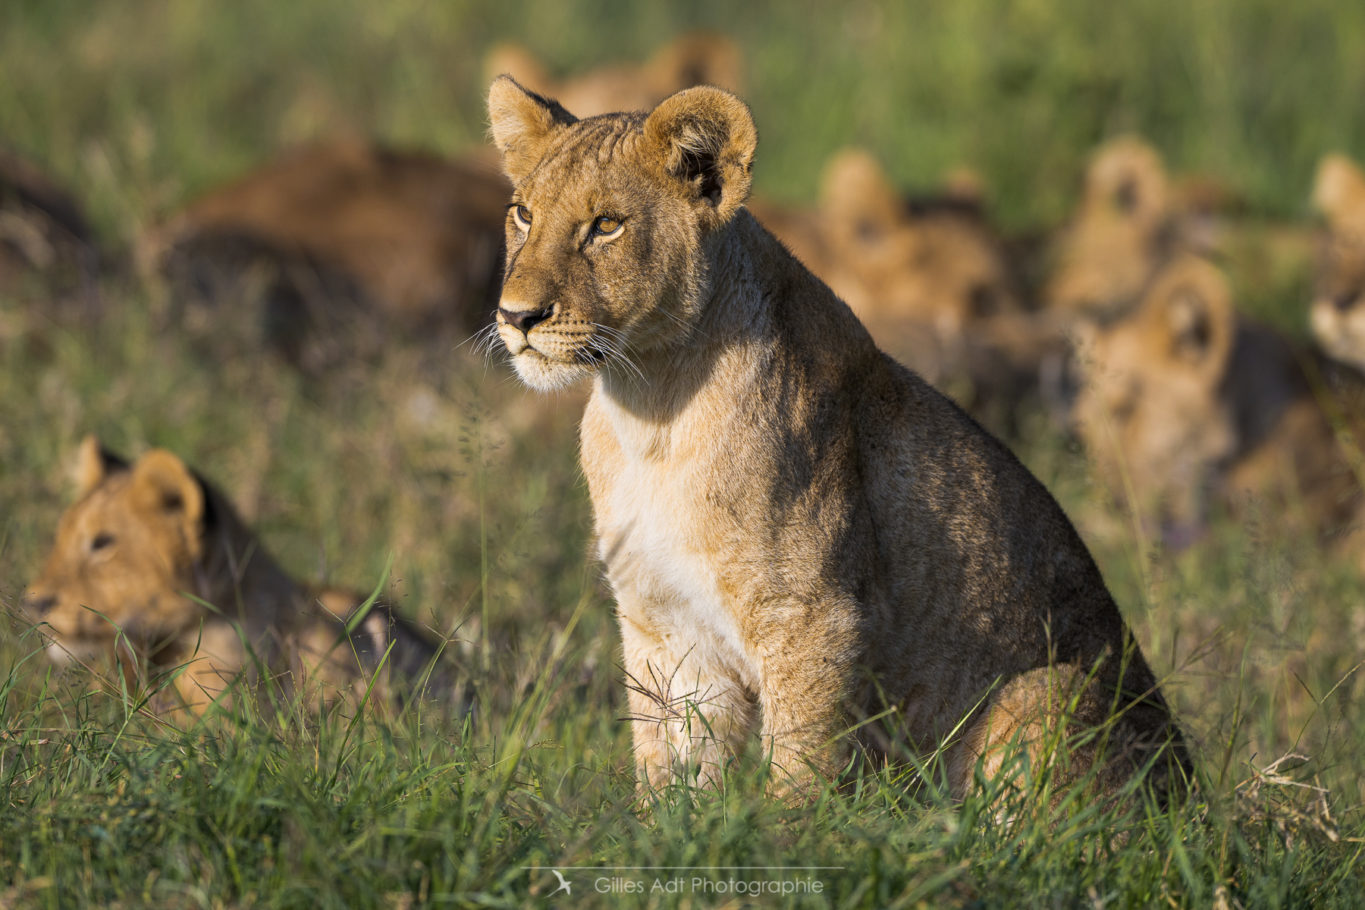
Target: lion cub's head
<point x="1152" y="410"/>
<point x="610" y="226"/>
<point x="1338" y="313"/>
<point x="123" y="556"/>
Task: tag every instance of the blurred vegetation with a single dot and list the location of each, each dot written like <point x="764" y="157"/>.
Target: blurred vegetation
<point x="142" y="104"/>
<point x="473" y="487"/>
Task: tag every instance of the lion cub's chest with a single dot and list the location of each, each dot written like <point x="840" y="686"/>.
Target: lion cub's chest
<point x="661" y="545"/>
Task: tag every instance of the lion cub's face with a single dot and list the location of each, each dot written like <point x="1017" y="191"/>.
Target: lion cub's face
<point x="1150" y="411"/>
<point x="124" y="554"/>
<point x="608" y="226"/>
<point x="1338" y="312"/>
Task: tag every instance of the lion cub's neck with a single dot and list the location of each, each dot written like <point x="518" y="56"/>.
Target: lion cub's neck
<point x="734" y="341"/>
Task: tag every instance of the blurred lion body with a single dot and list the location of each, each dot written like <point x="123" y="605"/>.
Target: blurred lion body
<point x="799" y="532"/>
<point x="48" y="253"/>
<point x="346" y="244"/>
<point x="143" y="550"/>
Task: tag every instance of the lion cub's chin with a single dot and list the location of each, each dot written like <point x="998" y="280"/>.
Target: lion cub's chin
<point x="546" y="375"/>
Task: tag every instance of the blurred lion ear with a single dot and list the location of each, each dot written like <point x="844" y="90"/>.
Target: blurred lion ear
<point x="93" y="464"/>
<point x="1338" y="189"/>
<point x="521" y="122"/>
<point x="1127" y="176"/>
<point x="706" y="138"/>
<point x="163" y="485"/>
<point x="1193" y="299"/>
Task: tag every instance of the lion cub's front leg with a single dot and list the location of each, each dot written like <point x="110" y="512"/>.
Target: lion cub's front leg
<point x="690" y="713"/>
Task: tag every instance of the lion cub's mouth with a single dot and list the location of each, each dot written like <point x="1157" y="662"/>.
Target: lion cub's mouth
<point x="582" y="345"/>
<point x="548" y="363"/>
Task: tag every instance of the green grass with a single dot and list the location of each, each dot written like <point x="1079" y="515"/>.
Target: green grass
<point x="471" y="486"/>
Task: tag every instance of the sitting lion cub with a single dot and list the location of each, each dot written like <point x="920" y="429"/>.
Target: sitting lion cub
<point x="799" y="532"/>
<point x="147" y="545"/>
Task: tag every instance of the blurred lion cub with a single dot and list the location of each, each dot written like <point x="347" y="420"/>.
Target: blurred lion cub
<point x="800" y="533"/>
<point x="147" y="545"/>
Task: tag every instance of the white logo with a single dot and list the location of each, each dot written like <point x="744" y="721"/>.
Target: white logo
<point x="563" y="884"/>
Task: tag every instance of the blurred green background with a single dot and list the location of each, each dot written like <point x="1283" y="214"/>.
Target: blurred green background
<point x="141" y="104"/>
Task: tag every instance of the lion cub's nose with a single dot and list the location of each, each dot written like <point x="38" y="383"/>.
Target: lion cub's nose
<point x="524" y="319"/>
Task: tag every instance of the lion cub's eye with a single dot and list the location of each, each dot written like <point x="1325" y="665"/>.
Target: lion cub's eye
<point x="607" y="227"/>
<point x="101" y="541"/>
<point x="521" y="215"/>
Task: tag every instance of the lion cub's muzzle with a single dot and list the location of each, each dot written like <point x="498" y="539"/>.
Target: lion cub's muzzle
<point x="515" y="324"/>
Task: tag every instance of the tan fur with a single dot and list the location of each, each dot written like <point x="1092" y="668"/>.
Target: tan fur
<point x="147" y="545"/>
<point x="798" y="530"/>
<point x="693" y="58"/>
<point x="344" y="231"/>
<point x="1338" y="310"/>
<point x="1186" y="403"/>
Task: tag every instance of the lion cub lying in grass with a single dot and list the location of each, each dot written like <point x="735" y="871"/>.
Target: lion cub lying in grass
<point x="148" y="546"/>
<point x="1185" y="403"/>
<point x="800" y="533"/>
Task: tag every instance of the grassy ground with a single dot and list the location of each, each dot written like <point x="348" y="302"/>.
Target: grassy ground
<point x="471" y="485"/>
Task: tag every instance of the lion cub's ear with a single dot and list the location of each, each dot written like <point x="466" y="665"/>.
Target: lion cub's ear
<point x="706" y="138"/>
<point x="1339" y="190"/>
<point x="163" y="485"/>
<point x="1127" y="176"/>
<point x="521" y="122"/>
<point x="93" y="464"/>
<point x="1193" y="301"/>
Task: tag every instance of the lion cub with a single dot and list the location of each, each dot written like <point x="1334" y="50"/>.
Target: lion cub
<point x="799" y="532"/>
<point x="1185" y="403"/>
<point x="148" y="546"/>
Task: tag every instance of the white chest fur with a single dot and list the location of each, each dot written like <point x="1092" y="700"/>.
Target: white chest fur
<point x="658" y="540"/>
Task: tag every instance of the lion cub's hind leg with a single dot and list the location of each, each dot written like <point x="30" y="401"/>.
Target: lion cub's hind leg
<point x="690" y="712"/>
<point x="1061" y="726"/>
